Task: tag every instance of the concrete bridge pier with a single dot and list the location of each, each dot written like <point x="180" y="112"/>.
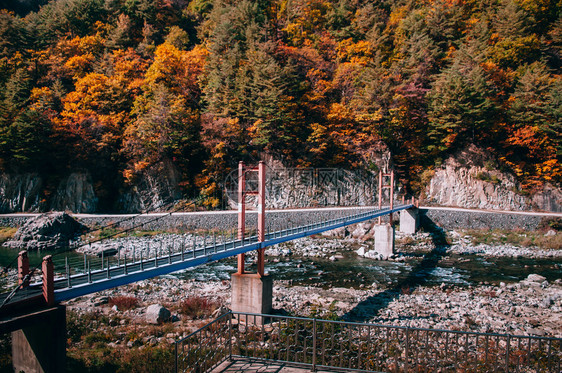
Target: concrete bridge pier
<point x="251" y="293"/>
<point x="409" y="220"/>
<point x="384" y="240"/>
<point x="40" y="346"/>
<point x="38" y="337"/>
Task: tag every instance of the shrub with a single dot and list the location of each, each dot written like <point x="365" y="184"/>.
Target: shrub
<point x="198" y="307"/>
<point x="123" y="302"/>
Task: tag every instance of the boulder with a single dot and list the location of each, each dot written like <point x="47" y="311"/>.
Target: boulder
<point x="48" y="231"/>
<point x="535" y="278"/>
<point x="156" y="314"/>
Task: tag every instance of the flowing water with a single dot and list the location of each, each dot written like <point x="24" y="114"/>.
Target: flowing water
<point x="354" y="271"/>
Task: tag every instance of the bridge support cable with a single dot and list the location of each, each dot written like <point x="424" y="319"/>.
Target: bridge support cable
<point x="97" y="280"/>
<point x="111" y="274"/>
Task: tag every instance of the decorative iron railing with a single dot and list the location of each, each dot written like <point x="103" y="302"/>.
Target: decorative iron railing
<point x="324" y="344"/>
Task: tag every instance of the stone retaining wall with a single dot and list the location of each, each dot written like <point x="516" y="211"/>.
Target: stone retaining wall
<point x="447" y="219"/>
<point x="470" y="219"/>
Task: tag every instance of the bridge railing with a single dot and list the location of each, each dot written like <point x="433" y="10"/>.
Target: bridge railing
<point x="183" y="247"/>
<point x="79" y="275"/>
<point x="316" y="343"/>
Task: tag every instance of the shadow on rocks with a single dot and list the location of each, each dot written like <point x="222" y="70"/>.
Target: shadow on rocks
<point x="419" y="276"/>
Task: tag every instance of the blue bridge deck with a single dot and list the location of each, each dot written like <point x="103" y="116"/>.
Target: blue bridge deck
<point x="91" y="281"/>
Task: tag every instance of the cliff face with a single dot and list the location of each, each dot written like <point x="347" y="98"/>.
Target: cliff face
<point x="20" y="193"/>
<point x="152" y="190"/>
<point x="75" y="193"/>
<point x="25" y="193"/>
<point x="470" y="180"/>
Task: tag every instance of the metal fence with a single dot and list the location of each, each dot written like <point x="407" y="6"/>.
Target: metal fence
<point x="324" y="344"/>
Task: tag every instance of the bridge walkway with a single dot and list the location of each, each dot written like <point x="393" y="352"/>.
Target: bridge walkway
<point x="91" y="281"/>
<point x="246" y="365"/>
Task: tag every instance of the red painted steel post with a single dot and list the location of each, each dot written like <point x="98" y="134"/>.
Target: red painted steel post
<point x="23" y="267"/>
<point x="241" y="212"/>
<point x="380" y="193"/>
<point x="391" y="194"/>
<point x="261" y="202"/>
<point x="261" y="216"/>
<point x="48" y="270"/>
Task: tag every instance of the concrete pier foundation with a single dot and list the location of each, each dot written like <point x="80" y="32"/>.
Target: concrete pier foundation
<point x="251" y="293"/>
<point x="409" y="221"/>
<point x="40" y="345"/>
<point x="384" y="240"/>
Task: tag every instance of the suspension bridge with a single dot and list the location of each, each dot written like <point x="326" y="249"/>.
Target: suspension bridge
<point x="43" y="297"/>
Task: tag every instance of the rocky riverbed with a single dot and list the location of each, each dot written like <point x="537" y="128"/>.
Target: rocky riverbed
<point x="531" y="306"/>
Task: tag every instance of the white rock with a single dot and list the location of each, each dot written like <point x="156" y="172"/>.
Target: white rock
<point x="535" y="278"/>
<point x="156" y="314"/>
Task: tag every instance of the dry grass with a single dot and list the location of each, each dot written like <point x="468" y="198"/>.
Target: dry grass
<point x="198" y="307"/>
<point x="123" y="302"/>
<point x="6" y="233"/>
<point x="516" y="237"/>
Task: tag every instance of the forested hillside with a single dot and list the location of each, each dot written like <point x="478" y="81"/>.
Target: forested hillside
<point x="119" y="88"/>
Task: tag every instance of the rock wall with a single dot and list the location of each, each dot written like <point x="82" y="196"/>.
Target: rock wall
<point x="75" y="193"/>
<point x="309" y="187"/>
<point x="470" y="180"/>
<point x="450" y="219"/>
<point x="20" y="193"/>
<point x="225" y="220"/>
<point x="153" y="189"/>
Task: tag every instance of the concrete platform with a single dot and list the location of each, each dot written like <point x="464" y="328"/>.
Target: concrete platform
<point x="240" y="365"/>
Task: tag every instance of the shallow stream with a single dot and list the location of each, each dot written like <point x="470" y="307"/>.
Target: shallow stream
<point x="353" y="271"/>
<point x="356" y="272"/>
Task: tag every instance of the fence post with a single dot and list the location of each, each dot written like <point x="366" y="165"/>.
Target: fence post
<point x="407" y="348"/>
<point x="176" y="362"/>
<point x="230" y="336"/>
<point x="47" y="268"/>
<point x="507" y="353"/>
<point x="23" y="268"/>
<point x="314" y="344"/>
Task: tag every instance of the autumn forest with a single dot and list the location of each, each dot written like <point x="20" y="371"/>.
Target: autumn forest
<point x="119" y="88"/>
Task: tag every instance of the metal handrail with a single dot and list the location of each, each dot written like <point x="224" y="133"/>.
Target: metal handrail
<point x="352" y="346"/>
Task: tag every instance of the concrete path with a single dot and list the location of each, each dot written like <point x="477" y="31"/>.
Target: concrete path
<point x="240" y="365"/>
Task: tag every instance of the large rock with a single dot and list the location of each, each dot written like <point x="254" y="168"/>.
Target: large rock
<point x="533" y="277"/>
<point x="156" y="314"/>
<point x="46" y="232"/>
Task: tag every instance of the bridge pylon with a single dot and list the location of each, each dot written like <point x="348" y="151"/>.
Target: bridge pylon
<point x="251" y="292"/>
